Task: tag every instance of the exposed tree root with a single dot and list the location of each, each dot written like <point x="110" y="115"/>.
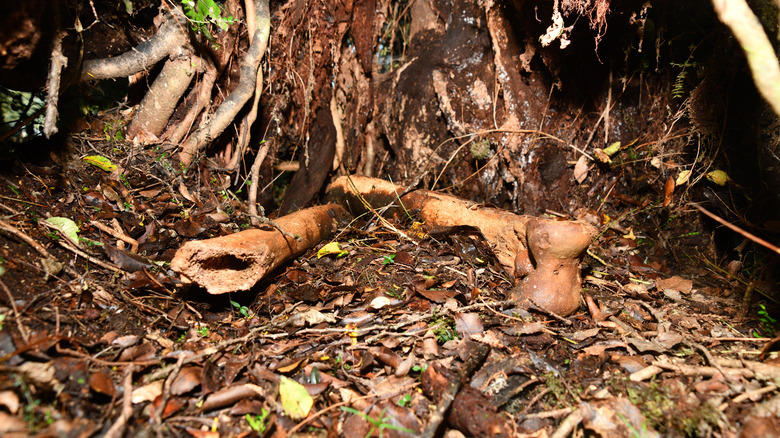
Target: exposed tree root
<point x="170" y="40"/>
<point x="546" y="252"/>
<point x="761" y="57"/>
<point x="161" y="99"/>
<point x="202" y="97"/>
<point x="53" y="82"/>
<point x="227" y="112"/>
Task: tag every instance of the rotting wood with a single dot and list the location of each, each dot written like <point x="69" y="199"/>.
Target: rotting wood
<point x="549" y="250"/>
<point x="238" y="261"/>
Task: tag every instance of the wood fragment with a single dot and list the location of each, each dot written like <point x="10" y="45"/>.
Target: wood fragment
<point x="464" y="403"/>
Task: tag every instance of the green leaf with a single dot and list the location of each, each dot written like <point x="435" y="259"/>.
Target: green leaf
<point x="331" y="248"/>
<point x="100" y="162"/>
<point x="719" y="177"/>
<point x="296" y="401"/>
<point x="67" y="227"/>
<point x="612" y="149"/>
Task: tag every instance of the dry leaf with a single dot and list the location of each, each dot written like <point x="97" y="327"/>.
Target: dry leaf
<point x="101" y="382"/>
<point x="187" y="380"/>
<point x="675" y="283"/>
<point x="311" y="317"/>
<point x="668" y="191"/>
<point x="581" y="169"/>
<point x="468" y="324"/>
<point x="602" y="156"/>
<point x="682" y="178"/>
<point x="148" y="392"/>
<point x="296" y="401"/>
<point x="584" y="334"/>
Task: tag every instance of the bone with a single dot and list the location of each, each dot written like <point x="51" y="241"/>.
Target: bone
<point x="546" y="252"/>
<point x="238" y="261"/>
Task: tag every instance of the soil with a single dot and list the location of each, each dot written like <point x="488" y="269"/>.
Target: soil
<point x="404" y="330"/>
<point x="664" y="340"/>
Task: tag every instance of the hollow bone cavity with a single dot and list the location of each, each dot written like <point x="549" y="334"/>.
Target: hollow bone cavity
<point x="238" y="261"/>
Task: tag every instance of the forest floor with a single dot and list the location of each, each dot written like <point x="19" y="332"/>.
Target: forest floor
<point x="99" y="337"/>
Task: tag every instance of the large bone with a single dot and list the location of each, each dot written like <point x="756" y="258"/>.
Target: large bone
<point x="546" y="252"/>
<point x="238" y="261"/>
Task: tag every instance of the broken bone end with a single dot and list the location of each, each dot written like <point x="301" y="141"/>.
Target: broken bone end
<point x="557" y="248"/>
<point x="218" y="270"/>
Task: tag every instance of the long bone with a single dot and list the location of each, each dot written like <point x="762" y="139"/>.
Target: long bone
<point x="544" y="254"/>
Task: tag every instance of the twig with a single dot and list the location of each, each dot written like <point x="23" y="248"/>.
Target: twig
<point x="760" y="391"/>
<point x="117" y="234"/>
<point x="105" y="265"/>
<point x="29" y="240"/>
<point x="118" y="428"/>
<point x="381" y="219"/>
<point x="712" y="362"/>
<point x="540" y="308"/>
<point x="254" y="333"/>
<point x="101" y="362"/>
<point x="21" y="124"/>
<point x="568" y="425"/>
<point x="514" y="318"/>
<point x="737" y="229"/>
<point x="166" y="392"/>
<point x="549" y="414"/>
<point x="255" y="174"/>
<point x="17" y="317"/>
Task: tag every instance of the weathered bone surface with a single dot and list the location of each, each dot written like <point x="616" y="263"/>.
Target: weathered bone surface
<point x="557" y="248"/>
<point x="238" y="261"/>
<point x="546" y="252"/>
<point x="503" y="230"/>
